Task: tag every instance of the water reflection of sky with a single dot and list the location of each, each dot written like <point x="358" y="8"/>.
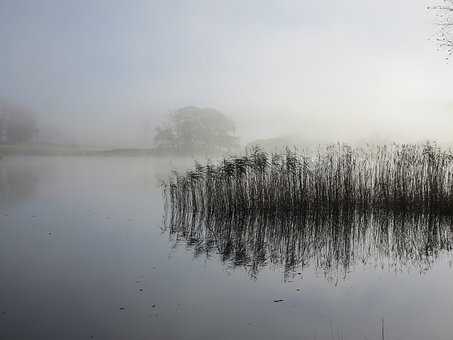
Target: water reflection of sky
<point x="81" y="237"/>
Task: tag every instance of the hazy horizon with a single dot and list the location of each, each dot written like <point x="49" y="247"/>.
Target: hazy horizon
<point x="107" y="72"/>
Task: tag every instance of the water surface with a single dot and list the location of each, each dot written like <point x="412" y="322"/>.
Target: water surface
<point x="84" y="253"/>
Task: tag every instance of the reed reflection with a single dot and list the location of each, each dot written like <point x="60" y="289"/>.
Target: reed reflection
<point x="334" y="242"/>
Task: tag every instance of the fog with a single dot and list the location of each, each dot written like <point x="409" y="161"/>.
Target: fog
<point x="135" y="203"/>
<point x="107" y="72"/>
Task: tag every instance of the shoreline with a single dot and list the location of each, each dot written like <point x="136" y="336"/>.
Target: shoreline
<point x="61" y="150"/>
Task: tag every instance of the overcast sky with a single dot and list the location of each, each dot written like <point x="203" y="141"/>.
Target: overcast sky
<point x="337" y="69"/>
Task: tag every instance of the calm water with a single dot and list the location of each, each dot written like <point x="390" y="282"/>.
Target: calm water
<point x="84" y="254"/>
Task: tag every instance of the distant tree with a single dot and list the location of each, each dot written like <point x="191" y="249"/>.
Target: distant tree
<point x="17" y="125"/>
<point x="165" y="139"/>
<point x="444" y="13"/>
<point x="194" y="130"/>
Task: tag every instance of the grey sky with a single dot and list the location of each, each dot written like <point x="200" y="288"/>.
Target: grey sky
<point x="319" y="68"/>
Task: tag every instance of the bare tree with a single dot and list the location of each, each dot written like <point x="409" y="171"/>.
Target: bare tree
<point x="444" y="13"/>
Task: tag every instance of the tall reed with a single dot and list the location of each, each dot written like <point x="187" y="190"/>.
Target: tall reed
<point x="394" y="177"/>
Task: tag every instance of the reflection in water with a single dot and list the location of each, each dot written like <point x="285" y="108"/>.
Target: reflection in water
<point x="331" y="241"/>
<point x="105" y="245"/>
<point x="330" y="208"/>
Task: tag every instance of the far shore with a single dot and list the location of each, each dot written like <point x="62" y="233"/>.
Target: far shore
<point x="82" y="151"/>
<point x="69" y="150"/>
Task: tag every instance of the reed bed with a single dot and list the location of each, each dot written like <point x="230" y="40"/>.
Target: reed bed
<point x="337" y="177"/>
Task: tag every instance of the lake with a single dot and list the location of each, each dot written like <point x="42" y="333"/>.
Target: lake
<point x="87" y="253"/>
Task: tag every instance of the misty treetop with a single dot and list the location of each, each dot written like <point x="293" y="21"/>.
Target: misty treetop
<point x="192" y="130"/>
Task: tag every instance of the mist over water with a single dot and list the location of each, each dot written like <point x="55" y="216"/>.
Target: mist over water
<point x="107" y="73"/>
<point x="226" y="170"/>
